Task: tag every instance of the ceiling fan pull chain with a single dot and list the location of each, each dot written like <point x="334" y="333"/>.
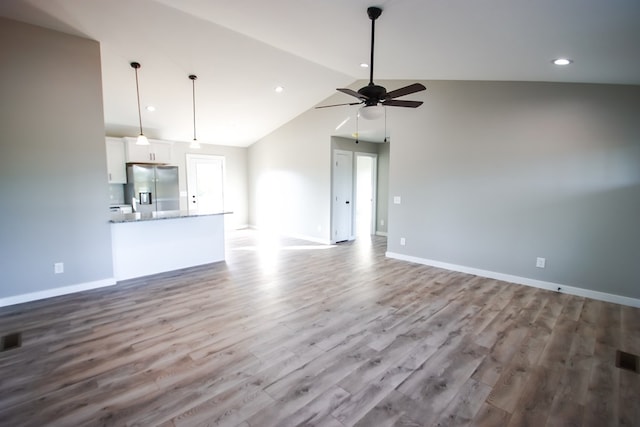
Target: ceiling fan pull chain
<point x="357" y="129"/>
<point x="385" y="126"/>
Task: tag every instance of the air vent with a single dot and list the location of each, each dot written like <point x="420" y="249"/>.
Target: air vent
<point x="627" y="361"/>
<point x="11" y="341"/>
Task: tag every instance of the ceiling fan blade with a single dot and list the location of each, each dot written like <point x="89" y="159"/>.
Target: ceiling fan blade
<point x="352" y="93"/>
<point x="338" y="105"/>
<point x="401" y="103"/>
<point x="416" y="87"/>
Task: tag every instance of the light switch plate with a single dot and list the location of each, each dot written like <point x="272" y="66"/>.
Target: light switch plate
<point x="396" y="200"/>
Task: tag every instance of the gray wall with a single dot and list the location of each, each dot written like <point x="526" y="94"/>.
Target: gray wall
<point x="492" y="175"/>
<point x="53" y="161"/>
<point x="495" y="174"/>
<point x="290" y="173"/>
<point x="382" y="214"/>
<point x="290" y="177"/>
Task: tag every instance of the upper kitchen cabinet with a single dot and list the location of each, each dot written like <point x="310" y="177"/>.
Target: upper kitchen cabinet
<point x="116" y="171"/>
<point x="155" y="152"/>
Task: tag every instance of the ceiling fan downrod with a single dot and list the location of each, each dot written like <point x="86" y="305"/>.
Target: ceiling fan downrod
<point x="374" y="13"/>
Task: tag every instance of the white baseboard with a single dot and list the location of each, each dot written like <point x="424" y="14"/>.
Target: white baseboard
<point x="48" y="293"/>
<point x="572" y="290"/>
<point x="297" y="236"/>
<point x="381" y="233"/>
<point x="309" y="238"/>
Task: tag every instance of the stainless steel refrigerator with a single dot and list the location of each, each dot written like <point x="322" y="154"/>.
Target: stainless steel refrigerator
<point x="152" y="188"/>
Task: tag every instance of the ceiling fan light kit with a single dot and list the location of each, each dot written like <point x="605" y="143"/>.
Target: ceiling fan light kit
<point x="142" y="140"/>
<point x="376" y="96"/>
<point x="371" y="112"/>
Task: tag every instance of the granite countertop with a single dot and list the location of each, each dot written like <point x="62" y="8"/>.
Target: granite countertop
<point x="154" y="216"/>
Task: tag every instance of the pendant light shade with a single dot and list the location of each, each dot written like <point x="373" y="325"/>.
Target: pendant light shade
<point x="194" y="144"/>
<point x="142" y="140"/>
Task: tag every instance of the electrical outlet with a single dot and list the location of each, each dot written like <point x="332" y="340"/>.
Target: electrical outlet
<point x="403" y="241"/>
<point x="382" y="222"/>
<point x="58" y="267"/>
<point x="540" y="262"/>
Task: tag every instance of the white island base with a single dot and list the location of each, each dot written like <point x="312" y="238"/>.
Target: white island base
<point x="144" y="247"/>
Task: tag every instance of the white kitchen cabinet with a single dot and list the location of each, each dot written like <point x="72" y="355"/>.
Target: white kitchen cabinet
<point x="155" y="152"/>
<point x="116" y="170"/>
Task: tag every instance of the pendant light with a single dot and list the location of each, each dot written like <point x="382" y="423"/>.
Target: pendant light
<point x="142" y="140"/>
<point x="194" y="144"/>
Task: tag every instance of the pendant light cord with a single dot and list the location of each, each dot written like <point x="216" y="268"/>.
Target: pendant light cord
<point x="135" y="65"/>
<point x="193" y="81"/>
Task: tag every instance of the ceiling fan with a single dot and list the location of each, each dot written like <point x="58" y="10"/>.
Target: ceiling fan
<point x="373" y="95"/>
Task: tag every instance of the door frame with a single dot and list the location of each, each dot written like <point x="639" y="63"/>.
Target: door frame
<point x="374" y="189"/>
<point x="334" y="206"/>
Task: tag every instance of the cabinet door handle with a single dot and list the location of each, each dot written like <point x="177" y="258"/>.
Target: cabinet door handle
<point x="109" y="176"/>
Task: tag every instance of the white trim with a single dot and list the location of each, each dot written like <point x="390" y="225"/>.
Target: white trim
<point x="297" y="236"/>
<point x="597" y="295"/>
<point x="49" y="293"/>
<point x="309" y="238"/>
<point x="332" y="205"/>
<point x="189" y="157"/>
<point x="381" y="233"/>
<point x="374" y="189"/>
<point x="239" y="227"/>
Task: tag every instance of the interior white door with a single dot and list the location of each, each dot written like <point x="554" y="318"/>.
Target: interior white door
<point x="342" y="196"/>
<point x="205" y="183"/>
<point x="366" y="183"/>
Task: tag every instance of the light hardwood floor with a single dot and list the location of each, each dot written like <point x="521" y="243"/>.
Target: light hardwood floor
<point x="305" y="334"/>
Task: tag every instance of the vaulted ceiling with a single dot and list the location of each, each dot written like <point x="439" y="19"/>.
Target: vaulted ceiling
<point x="241" y="50"/>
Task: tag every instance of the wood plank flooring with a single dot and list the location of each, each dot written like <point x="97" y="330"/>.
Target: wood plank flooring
<point x="290" y="333"/>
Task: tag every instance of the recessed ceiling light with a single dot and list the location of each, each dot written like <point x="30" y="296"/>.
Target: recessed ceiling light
<point x="562" y="61"/>
<point x="150" y="108"/>
<point x="279" y="89"/>
<point x="364" y="65"/>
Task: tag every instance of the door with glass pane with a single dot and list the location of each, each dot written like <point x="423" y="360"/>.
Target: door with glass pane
<point x="205" y="183"/>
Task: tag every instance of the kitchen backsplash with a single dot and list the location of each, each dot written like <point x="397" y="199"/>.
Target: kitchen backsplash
<point x="116" y="194"/>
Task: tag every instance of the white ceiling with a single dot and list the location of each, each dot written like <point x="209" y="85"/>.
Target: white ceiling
<point x="242" y="49"/>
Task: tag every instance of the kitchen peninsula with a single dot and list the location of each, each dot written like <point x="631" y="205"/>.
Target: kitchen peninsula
<point x="150" y="243"/>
